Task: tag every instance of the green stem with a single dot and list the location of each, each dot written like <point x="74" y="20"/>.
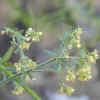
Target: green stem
<point x="28" y="71"/>
<point x="3" y="82"/>
<point x="7" y="55"/>
<point x="28" y="90"/>
<point x="31" y="92"/>
<point x="12" y="77"/>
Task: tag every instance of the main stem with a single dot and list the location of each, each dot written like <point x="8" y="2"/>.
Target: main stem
<point x="29" y="70"/>
<point x="51" y="60"/>
<point x="27" y="89"/>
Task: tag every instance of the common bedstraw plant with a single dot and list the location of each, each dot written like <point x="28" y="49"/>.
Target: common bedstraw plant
<point x="76" y="67"/>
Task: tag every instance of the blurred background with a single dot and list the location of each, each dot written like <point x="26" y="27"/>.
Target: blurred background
<point x="53" y="18"/>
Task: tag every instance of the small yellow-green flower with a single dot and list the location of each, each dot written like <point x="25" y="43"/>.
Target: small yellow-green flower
<point x="24" y="45"/>
<point x="31" y="64"/>
<point x="18" y="91"/>
<point x="27" y="79"/>
<point x="61" y="90"/>
<point x="84" y="73"/>
<point x="91" y="59"/>
<point x="18" y="67"/>
<point x="69" y="91"/>
<point x="70" y="76"/>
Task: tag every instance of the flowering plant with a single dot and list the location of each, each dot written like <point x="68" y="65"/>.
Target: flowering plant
<point x="77" y="67"/>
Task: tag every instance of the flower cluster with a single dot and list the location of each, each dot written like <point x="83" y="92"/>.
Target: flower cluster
<point x="92" y="57"/>
<point x="70" y="76"/>
<point x="24" y="45"/>
<point x="84" y="73"/>
<point x="77" y="67"/>
<point x="75" y="39"/>
<point x="66" y="90"/>
<point x="32" y="35"/>
<point x="25" y="63"/>
<point x="21" y="41"/>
